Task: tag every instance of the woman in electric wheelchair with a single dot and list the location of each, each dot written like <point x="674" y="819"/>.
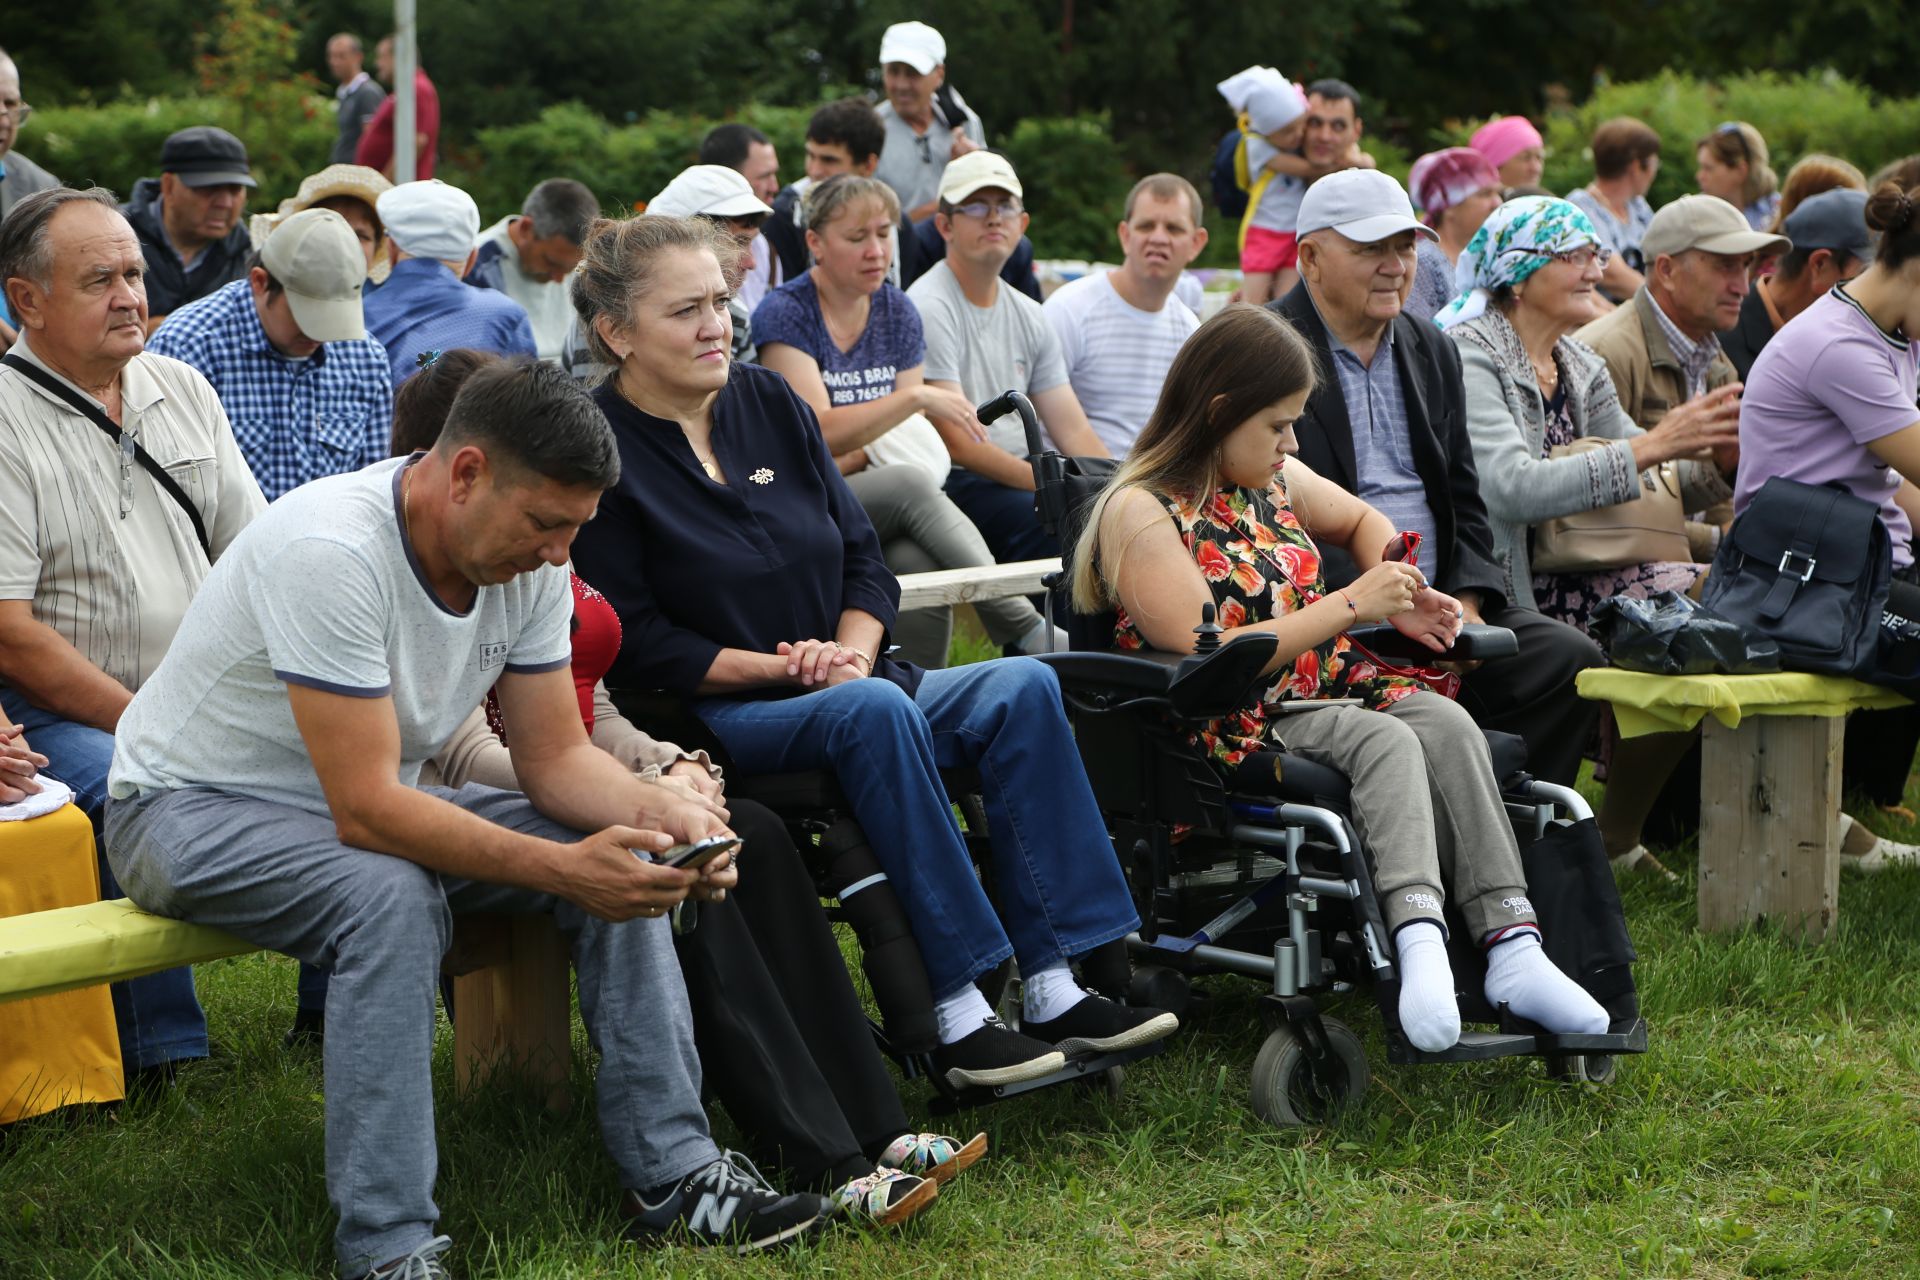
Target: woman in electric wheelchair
<point x="1209" y="508"/>
<point x="747" y="577"/>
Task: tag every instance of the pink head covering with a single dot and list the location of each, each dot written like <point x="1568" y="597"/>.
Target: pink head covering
<point x="1442" y="179"/>
<point x="1503" y="139"/>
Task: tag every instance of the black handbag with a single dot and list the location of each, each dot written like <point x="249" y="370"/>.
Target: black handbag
<point x="1810" y="566"/>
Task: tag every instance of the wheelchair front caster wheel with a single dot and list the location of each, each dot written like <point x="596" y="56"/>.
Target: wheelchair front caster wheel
<point x="1110" y="1084"/>
<point x="1583" y="1068"/>
<point x="1284" y="1090"/>
<point x="1155" y="986"/>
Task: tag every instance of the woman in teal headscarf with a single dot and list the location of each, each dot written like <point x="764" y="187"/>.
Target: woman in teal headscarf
<point x="1526" y="282"/>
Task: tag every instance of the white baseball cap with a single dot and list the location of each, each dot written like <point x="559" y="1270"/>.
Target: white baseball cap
<point x="317" y="259"/>
<point x="914" y="43"/>
<point x="976" y="171"/>
<point x="1364" y="205"/>
<point x="430" y="219"/>
<point x="711" y="189"/>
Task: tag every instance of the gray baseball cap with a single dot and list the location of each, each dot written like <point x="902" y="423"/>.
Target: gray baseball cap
<point x="1835" y="220"/>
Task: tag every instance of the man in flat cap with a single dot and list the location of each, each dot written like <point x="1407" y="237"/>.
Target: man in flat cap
<point x="309" y="394"/>
<point x="424" y="308"/>
<point x="190" y="219"/>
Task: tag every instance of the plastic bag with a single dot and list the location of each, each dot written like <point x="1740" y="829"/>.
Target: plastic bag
<point x="1671" y="635"/>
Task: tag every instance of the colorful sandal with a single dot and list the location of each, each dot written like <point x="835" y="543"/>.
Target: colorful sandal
<point x="932" y="1155"/>
<point x="884" y="1197"/>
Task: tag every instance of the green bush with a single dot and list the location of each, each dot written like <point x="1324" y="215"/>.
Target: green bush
<point x="1075" y="183"/>
<point x="115" y="146"/>
<point x="1815" y="111"/>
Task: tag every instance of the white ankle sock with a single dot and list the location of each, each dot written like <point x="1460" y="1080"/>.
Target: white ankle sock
<point x="1520" y="975"/>
<point x="1429" y="1013"/>
<point x="1049" y="993"/>
<point x="1036" y="637"/>
<point x="961" y="1013"/>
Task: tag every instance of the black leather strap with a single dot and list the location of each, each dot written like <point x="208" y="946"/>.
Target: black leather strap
<point x="101" y="420"/>
<point x="1804" y="547"/>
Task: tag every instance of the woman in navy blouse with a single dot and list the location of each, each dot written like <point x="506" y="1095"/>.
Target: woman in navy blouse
<point x="747" y="576"/>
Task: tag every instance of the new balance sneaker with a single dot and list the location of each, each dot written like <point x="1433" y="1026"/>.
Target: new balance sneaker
<point x="1098" y="1025"/>
<point x="726" y="1205"/>
<point x="883" y="1198"/>
<point x="423" y="1263"/>
<point x="994" y="1055"/>
<point x="932" y="1155"/>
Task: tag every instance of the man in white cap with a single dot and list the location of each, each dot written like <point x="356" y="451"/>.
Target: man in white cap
<point x="309" y="394"/>
<point x="722" y="196"/>
<point x="1388" y="422"/>
<point x="985" y="338"/>
<point x="424" y="308"/>
<point x="926" y="121"/>
<point x="1662" y="346"/>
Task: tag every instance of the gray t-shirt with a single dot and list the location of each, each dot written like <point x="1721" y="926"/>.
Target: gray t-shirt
<point x="323" y="591"/>
<point x="911" y="163"/>
<point x="1009" y="346"/>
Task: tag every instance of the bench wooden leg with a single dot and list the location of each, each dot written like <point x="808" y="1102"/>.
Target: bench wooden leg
<point x="512" y="1013"/>
<point x="1769" y="805"/>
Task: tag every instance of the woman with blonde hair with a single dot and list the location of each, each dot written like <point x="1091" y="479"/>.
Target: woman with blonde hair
<point x="1211" y="508"/>
<point x="1733" y="165"/>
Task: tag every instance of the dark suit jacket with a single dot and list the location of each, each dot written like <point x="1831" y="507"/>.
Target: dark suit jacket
<point x="1750" y="333"/>
<point x="1429" y="366"/>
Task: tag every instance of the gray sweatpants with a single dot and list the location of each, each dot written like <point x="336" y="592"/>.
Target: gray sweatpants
<point x="1427" y="805"/>
<point x="922" y="530"/>
<point x="279" y="877"/>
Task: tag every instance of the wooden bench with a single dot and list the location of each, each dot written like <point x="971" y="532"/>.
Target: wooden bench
<point x="510" y="979"/>
<point x="1769" y="784"/>
<point x="984" y="582"/>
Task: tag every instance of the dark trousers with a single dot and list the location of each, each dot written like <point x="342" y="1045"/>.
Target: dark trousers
<point x="1532" y="693"/>
<point x="783" y="1041"/>
<point x="1005" y="517"/>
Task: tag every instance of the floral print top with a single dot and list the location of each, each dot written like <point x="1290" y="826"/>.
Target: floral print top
<point x="1261" y="564"/>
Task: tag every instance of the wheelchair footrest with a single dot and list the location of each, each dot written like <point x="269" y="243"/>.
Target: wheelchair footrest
<point x="1474" y="1046"/>
<point x="1632" y="1039"/>
<point x="947" y="1100"/>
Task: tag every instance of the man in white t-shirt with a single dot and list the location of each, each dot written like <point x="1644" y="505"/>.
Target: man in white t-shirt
<point x="264" y="782"/>
<point x="528" y="257"/>
<point x="984" y="339"/>
<point x="1119" y="331"/>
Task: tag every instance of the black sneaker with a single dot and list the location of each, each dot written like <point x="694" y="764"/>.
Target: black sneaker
<point x="1098" y="1025"/>
<point x="728" y="1205"/>
<point x="309" y="1030"/>
<point x="995" y="1054"/>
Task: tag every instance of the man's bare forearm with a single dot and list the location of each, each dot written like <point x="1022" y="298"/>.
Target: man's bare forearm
<point x="42" y="667"/>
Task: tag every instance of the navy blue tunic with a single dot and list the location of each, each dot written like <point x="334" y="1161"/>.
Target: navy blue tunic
<point x="693" y="566"/>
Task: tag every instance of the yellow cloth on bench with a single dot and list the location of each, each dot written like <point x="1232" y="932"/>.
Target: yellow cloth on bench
<point x="1645" y="703"/>
<point x="61" y="1049"/>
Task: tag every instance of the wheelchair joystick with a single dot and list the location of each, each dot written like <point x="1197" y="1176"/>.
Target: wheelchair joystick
<point x="1207" y="634"/>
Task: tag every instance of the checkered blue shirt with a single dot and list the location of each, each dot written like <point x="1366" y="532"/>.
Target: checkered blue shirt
<point x="295" y="420"/>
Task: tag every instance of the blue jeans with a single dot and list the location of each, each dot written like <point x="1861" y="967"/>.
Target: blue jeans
<point x="1060" y="888"/>
<point x="158" y="1017"/>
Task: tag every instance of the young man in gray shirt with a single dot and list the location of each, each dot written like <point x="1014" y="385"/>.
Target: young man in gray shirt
<point x="264" y="783"/>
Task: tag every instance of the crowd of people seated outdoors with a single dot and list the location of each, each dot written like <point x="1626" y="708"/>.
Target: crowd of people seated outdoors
<point x="322" y="538"/>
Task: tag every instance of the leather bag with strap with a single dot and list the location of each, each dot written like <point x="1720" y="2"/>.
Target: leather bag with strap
<point x="1810" y="566"/>
<point x="1646" y="530"/>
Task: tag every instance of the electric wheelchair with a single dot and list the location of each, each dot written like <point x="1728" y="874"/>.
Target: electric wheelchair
<point x="1263" y="873"/>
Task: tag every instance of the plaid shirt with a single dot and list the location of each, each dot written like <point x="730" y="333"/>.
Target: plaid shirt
<point x="1695" y="358"/>
<point x="1384" y="471"/>
<point x="295" y="420"/>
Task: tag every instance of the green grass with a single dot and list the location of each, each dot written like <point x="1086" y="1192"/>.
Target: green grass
<point x="1772" y="1130"/>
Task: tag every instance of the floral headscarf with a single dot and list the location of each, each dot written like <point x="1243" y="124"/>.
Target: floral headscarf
<point x="1515" y="241"/>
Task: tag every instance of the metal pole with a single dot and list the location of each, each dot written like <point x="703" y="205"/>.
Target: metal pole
<point x="406" y="60"/>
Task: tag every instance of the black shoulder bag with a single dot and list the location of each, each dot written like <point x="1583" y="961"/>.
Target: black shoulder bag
<point x="127" y="443"/>
<point x="1810" y="566"/>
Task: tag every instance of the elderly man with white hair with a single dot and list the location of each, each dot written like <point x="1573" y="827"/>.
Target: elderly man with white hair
<point x="927" y="122"/>
<point x="424" y="308"/>
<point x="120" y="484"/>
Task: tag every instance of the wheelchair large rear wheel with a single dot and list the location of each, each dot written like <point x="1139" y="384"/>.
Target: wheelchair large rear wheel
<point x="1284" y="1090"/>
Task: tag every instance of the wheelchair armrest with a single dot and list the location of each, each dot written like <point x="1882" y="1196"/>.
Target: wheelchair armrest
<point x="1145" y="671"/>
<point x="1209" y="685"/>
<point x="1476" y="643"/>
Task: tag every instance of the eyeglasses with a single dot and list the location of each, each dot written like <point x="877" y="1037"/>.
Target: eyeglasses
<point x="19" y="111"/>
<point x="1581" y="257"/>
<point x="984" y="209"/>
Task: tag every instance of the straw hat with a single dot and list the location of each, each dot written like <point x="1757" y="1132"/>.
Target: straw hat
<point x="353" y="180"/>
